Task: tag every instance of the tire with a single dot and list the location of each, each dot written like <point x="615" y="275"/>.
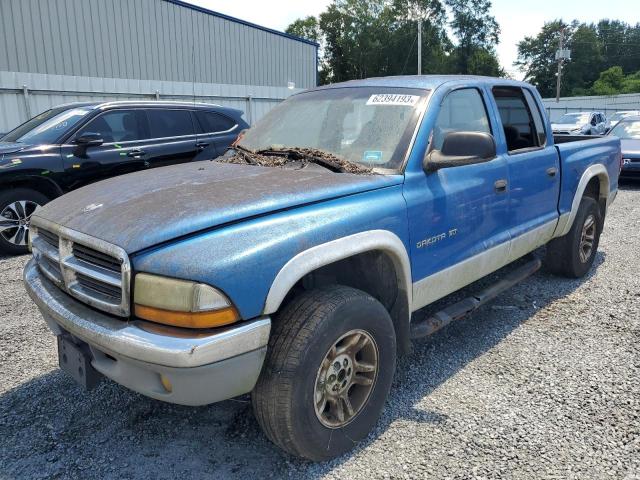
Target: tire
<point x="563" y="255"/>
<point x="285" y="396"/>
<point x="14" y="220"/>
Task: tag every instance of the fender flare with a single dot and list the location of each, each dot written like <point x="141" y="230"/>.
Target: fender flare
<point x="339" y="249"/>
<point x="566" y="220"/>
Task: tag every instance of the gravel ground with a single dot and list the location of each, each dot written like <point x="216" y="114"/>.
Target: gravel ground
<point x="541" y="383"/>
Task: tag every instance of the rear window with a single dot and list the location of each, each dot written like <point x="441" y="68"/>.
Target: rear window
<point x="170" y="123"/>
<point x="212" y="122"/>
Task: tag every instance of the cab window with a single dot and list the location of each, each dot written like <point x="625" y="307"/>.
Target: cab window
<point x="170" y="123"/>
<point x="538" y="122"/>
<point x="519" y="126"/>
<point x="461" y="111"/>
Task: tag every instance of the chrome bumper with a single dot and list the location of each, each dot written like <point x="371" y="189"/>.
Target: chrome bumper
<point x="206" y="365"/>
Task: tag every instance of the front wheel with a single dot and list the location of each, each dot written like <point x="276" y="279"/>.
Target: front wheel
<point x="573" y="254"/>
<point x="16" y="208"/>
<point x="327" y="374"/>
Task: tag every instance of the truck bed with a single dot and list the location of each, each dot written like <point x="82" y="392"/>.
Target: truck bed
<point x="580" y="152"/>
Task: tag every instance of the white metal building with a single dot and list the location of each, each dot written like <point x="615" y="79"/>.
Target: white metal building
<point x="60" y="51"/>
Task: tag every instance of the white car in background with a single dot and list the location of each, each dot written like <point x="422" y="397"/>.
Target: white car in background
<point x="616" y="117"/>
<point x="580" y="123"/>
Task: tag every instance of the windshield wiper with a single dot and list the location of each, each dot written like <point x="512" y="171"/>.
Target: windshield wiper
<point x="317" y="156"/>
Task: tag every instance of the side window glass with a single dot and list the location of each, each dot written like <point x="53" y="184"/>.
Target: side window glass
<point x="461" y="111"/>
<point x="170" y="123"/>
<point x="117" y="126"/>
<point x="517" y="122"/>
<point x="212" y="122"/>
<point x="537" y="117"/>
<point x="594" y="121"/>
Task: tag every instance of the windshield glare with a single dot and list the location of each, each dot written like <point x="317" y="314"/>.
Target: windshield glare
<point x="368" y="126"/>
<point x="574" y="119"/>
<point x="47" y="127"/>
<point x="629" y="130"/>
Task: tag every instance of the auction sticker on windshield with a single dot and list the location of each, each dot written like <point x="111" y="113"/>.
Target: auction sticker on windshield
<point x="393" y="99"/>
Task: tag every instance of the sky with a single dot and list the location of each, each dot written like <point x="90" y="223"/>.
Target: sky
<point x="517" y="18"/>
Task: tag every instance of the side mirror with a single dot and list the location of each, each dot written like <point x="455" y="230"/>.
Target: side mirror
<point x="461" y="148"/>
<point x="89" y="140"/>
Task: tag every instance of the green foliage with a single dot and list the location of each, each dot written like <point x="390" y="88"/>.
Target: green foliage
<point x="366" y="38"/>
<point x="594" y="48"/>
<point x="477" y="33"/>
<point x="613" y="82"/>
<point x="305" y="28"/>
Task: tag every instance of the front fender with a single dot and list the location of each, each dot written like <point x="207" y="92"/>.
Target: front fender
<point x="256" y="261"/>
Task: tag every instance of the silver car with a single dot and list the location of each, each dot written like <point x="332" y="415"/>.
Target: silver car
<point x="581" y="123"/>
<point x="616" y="117"/>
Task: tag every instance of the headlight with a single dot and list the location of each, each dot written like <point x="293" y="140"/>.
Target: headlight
<point x="577" y="131"/>
<point x="181" y="303"/>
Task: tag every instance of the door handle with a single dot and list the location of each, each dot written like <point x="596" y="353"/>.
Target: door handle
<point x="202" y="145"/>
<point x="552" y="171"/>
<point x="500" y="185"/>
<point x="136" y="153"/>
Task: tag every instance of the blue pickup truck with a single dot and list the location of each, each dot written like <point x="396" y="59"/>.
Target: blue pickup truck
<point x="291" y="266"/>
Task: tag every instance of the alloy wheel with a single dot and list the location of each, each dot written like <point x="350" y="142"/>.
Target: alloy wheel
<point x="14" y="221"/>
<point x="587" y="238"/>
<point x="346" y="378"/>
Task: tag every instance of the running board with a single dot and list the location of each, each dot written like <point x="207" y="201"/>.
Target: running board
<point x="432" y="324"/>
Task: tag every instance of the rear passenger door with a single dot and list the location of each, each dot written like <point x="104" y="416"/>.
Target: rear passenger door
<point x="534" y="169"/>
<point x="173" y="137"/>
<point x="216" y="131"/>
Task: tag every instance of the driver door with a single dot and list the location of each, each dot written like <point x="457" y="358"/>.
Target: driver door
<point x="122" y="131"/>
<point x="458" y="215"/>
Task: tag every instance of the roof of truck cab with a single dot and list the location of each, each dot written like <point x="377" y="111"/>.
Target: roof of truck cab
<point x="426" y="82"/>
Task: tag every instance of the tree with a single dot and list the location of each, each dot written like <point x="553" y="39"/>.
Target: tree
<point x="586" y="60"/>
<point x="307" y="27"/>
<point x="478" y="33"/>
<point x="536" y="56"/>
<point x="365" y="38"/>
<point x="613" y="82"/>
<point x="610" y="82"/>
<point x="594" y="48"/>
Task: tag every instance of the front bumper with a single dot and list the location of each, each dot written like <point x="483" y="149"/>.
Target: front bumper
<point x="203" y="366"/>
<point x="631" y="169"/>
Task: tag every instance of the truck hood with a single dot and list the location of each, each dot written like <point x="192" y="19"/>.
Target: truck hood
<point x="630" y="148"/>
<point x="565" y="126"/>
<point x="144" y="209"/>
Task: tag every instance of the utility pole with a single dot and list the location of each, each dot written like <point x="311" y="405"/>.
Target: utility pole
<point x="560" y="57"/>
<point x="419" y="47"/>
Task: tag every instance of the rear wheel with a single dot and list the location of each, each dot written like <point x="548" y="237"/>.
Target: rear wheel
<point x="16" y="208"/>
<point x="328" y="371"/>
<point x="573" y="254"/>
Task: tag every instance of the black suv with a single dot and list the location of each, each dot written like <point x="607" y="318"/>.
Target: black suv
<point x="72" y="145"/>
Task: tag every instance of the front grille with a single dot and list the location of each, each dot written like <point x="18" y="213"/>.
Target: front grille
<point x="94" y="257"/>
<point x="103" y="289"/>
<point x="89" y="269"/>
<point x="51" y="238"/>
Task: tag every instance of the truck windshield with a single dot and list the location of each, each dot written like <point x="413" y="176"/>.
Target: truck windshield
<point x="47" y="127"/>
<point x="574" y="118"/>
<point x="369" y="126"/>
<point x="627" y="129"/>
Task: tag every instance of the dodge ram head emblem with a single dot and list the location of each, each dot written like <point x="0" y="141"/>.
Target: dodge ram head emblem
<point x="92" y="207"/>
